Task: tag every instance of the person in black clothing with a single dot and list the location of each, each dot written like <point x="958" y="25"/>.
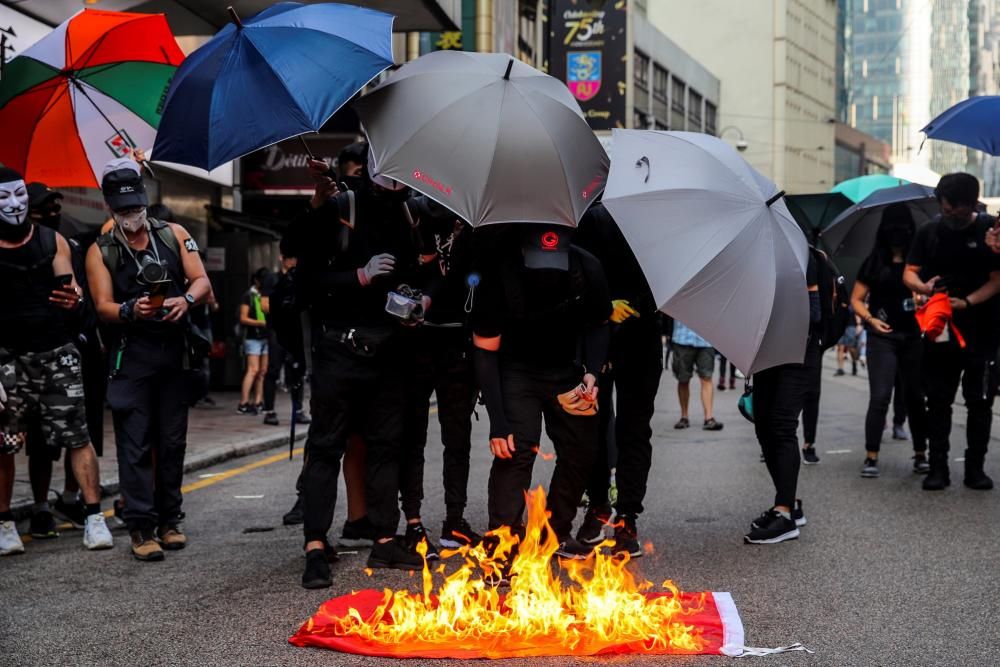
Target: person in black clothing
<point x="950" y="254"/>
<point x="353" y="250"/>
<point x="633" y="370"/>
<point x="894" y="346"/>
<point x="442" y="364"/>
<point x="282" y="358"/>
<point x="144" y="276"/>
<point x="778" y="396"/>
<point x="540" y="306"/>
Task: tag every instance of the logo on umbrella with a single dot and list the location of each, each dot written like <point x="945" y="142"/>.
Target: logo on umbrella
<point x="120" y="144"/>
<point x="583" y="74"/>
<point x="429" y="180"/>
<point x="550" y="241"/>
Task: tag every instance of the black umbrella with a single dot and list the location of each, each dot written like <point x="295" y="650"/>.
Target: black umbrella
<point x="851" y="237"/>
<point x="815" y="212"/>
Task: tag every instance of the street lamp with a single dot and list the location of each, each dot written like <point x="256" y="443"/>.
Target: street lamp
<point x="741" y="142"/>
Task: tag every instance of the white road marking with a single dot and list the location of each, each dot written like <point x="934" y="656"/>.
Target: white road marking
<point x="249" y="497"/>
<point x="838" y="451"/>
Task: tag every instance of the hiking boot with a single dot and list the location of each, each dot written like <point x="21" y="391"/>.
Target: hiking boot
<point x="294" y="516"/>
<point x="457" y="533"/>
<point x="10" y="541"/>
<point x="771" y="528"/>
<point x="899" y="432"/>
<point x="96" y="535"/>
<point x="317" y="572"/>
<point x="144" y="547"/>
<point x="43" y="526"/>
<point x="75" y="513"/>
<point x="712" y="425"/>
<point x="939" y="477"/>
<point x="171" y="538"/>
<point x="358" y="533"/>
<point x="395" y="554"/>
<point x="415" y="534"/>
<point x="626" y="537"/>
<point x="591" y="531"/>
<point x="869" y="468"/>
<point x="809" y="456"/>
<point x="573" y="550"/>
<point x="271" y="419"/>
<point x="975" y="477"/>
<point x="920" y="464"/>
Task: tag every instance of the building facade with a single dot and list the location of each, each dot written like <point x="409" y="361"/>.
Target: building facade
<point x="776" y="61"/>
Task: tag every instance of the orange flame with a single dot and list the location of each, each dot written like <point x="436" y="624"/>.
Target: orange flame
<point x="602" y="606"/>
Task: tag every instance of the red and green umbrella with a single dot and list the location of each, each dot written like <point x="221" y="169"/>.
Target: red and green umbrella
<point x="89" y="91"/>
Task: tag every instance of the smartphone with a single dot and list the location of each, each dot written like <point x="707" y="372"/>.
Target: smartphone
<point x="157" y="292"/>
<point x="63" y="281"/>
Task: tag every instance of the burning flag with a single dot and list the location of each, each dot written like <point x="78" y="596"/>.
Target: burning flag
<point x="604" y="610"/>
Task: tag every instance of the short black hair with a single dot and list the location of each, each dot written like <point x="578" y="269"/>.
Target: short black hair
<point x="960" y="189"/>
<point x="356" y="153"/>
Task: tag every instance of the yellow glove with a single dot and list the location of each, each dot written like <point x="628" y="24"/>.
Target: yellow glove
<point x="622" y="311"/>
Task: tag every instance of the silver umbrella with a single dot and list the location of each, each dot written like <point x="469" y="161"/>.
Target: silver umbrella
<point x="718" y="246"/>
<point x="487" y="136"/>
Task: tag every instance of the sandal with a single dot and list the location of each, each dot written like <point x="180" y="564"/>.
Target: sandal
<point x="712" y="425"/>
<point x="682" y="423"/>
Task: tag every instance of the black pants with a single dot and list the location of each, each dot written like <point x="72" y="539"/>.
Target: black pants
<point x="294" y="371"/>
<point x="889" y="359"/>
<point x="810" y="405"/>
<point x="441" y="364"/>
<point x="634" y="375"/>
<point x="778" y="397"/>
<point x="945" y="365"/>
<point x="150" y="413"/>
<point x="353" y="394"/>
<point x="528" y="395"/>
<point x="898" y="401"/>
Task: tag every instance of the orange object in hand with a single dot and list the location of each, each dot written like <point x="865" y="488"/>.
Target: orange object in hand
<point x="935" y="315"/>
<point x="577" y="404"/>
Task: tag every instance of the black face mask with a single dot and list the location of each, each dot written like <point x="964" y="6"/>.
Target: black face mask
<point x="353" y="183"/>
<point x="956" y="223"/>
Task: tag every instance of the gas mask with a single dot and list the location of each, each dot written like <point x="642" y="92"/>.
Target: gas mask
<point x="13" y="210"/>
<point x="131" y="222"/>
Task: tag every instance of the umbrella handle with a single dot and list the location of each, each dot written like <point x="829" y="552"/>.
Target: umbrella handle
<point x="775" y="198"/>
<point x="644" y="161"/>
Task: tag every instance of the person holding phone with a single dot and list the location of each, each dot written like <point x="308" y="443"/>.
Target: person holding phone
<point x="40" y="370"/>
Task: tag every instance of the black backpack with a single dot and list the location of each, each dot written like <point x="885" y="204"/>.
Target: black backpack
<point x="834" y="302"/>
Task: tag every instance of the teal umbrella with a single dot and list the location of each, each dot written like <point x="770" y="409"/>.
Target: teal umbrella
<point x="814" y="212"/>
<point x="859" y="188"/>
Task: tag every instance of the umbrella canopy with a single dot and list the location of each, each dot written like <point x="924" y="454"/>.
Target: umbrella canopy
<point x="858" y="188"/>
<point x="971" y="122"/>
<point x="718" y="246"/>
<point x="282" y="73"/>
<point x="851" y="237"/>
<point x="487" y="136"/>
<point x="814" y="212"/>
<point x="86" y="93"/>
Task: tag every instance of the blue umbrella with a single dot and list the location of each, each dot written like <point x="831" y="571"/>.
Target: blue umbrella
<point x="280" y="74"/>
<point x="971" y="122"/>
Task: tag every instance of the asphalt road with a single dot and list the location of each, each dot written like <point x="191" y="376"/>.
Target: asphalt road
<point x="884" y="573"/>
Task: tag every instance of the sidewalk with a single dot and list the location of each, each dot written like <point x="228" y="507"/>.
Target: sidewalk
<point x="214" y="435"/>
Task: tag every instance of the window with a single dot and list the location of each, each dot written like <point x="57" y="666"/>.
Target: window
<point x="694" y="110"/>
<point x="640" y="119"/>
<point x="661" y="85"/>
<point x="641" y="79"/>
<point x="678" y="104"/>
<point x="710" y="118"/>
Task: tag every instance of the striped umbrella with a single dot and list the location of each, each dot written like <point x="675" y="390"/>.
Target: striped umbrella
<point x="89" y="91"/>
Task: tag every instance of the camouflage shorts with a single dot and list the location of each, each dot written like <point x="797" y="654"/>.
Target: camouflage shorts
<point x="48" y="386"/>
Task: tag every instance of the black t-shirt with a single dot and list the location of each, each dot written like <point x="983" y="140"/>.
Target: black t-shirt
<point x="887" y="294"/>
<point x="253" y="333"/>
<point x="541" y="314"/>
<point x="29" y="322"/>
<point x="964" y="262"/>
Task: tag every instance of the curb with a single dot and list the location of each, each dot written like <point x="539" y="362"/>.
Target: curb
<point x="22" y="508"/>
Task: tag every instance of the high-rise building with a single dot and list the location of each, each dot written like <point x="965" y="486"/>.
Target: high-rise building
<point x="776" y="60"/>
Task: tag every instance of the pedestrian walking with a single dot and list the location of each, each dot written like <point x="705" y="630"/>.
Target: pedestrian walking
<point x="693" y="354"/>
<point x="253" y="324"/>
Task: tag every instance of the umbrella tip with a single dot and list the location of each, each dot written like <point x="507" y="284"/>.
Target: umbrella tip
<point x="506" y="75"/>
<point x="774" y="198"/>
<point x="235" y="17"/>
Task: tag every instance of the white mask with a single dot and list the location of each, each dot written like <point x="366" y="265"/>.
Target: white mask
<point x="130" y="222"/>
<point x="13" y="202"/>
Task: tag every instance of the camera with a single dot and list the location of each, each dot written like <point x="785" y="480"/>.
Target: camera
<point x="151" y="270"/>
<point x="405" y="303"/>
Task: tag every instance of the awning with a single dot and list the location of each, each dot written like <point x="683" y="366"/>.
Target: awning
<point x="205" y="17"/>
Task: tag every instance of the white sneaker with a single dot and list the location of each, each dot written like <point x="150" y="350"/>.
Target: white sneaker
<point x="96" y="534"/>
<point x="10" y="541"/>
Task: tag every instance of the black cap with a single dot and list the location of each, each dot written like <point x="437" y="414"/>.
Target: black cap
<point x="39" y="193"/>
<point x="546" y="246"/>
<point x="122" y="185"/>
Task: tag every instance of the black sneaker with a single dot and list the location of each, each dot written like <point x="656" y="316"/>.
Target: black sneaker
<point x="246" y="409"/>
<point x="457" y="533"/>
<point x="869" y="468"/>
<point x="302" y="418"/>
<point x="899" y="432"/>
<point x="840" y="371"/>
<point x="415" y="534"/>
<point x="294" y="516"/>
<point x="798" y="516"/>
<point x="920" y="464"/>
<point x="359" y="533"/>
<point x="626" y="537"/>
<point x="809" y="456"/>
<point x="396" y="555"/>
<point x="43" y="526"/>
<point x="497" y="571"/>
<point x="75" y="513"/>
<point x="574" y="550"/>
<point x="271" y="419"/>
<point x="592" y="529"/>
<point x="317" y="573"/>
<point x="771" y="528"/>
<point x="118" y="519"/>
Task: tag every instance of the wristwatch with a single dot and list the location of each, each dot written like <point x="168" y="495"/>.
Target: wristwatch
<point x="190" y="299"/>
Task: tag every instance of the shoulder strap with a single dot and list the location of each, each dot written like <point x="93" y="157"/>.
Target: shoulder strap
<point x="111" y="252"/>
<point x="47" y="237"/>
<point x="166" y="235"/>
